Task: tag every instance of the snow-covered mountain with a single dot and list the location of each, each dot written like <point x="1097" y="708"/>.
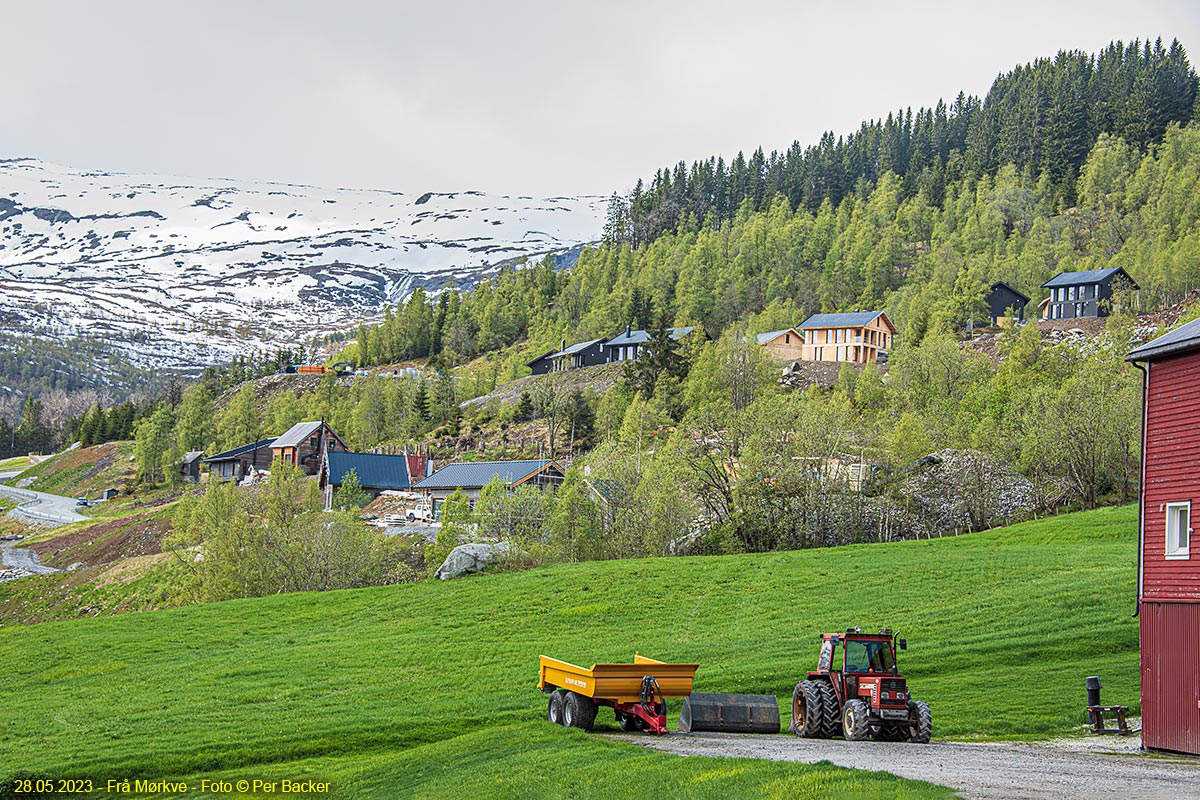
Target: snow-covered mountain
<point x="182" y="273"/>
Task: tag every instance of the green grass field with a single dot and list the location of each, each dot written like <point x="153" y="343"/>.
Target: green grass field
<point x="428" y="690"/>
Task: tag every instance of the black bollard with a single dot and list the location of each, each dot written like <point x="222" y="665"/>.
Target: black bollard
<point x="1093" y="690"/>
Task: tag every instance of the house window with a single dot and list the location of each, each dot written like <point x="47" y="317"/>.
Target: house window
<point x="818" y="353"/>
<point x="1071" y="293"/>
<point x="1179" y="521"/>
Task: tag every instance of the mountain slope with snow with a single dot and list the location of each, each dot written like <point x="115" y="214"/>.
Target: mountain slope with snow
<point x="180" y="273"/>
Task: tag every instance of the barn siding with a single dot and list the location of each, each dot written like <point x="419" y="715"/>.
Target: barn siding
<point x="1170" y="638"/>
<point x="1172" y="464"/>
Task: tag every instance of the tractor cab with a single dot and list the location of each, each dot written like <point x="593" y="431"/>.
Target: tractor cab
<point x="871" y="653"/>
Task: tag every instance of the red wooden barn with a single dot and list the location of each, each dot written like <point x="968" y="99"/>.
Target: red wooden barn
<point x="1168" y="574"/>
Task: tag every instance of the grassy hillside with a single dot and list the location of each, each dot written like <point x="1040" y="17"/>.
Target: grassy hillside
<point x="428" y="690"/>
<point x="84" y="471"/>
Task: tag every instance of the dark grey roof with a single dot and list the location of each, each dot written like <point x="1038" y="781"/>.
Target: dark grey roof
<point x="296" y="434"/>
<point x="374" y="471"/>
<point x="478" y="474"/>
<point x="1085" y="276"/>
<point x="230" y="455"/>
<point x="191" y="456"/>
<point x="641" y="337"/>
<point x="848" y="320"/>
<point x="1003" y="285"/>
<point x="575" y="348"/>
<point x="763" y="338"/>
<point x="1185" y="337"/>
<point x="547" y="354"/>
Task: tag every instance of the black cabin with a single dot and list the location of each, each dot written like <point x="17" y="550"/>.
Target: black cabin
<point x="1003" y="297"/>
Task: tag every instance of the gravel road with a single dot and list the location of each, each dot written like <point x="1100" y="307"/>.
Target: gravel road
<point x="978" y="771"/>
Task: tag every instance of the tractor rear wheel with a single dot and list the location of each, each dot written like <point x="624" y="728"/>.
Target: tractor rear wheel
<point x="578" y="711"/>
<point x="554" y="709"/>
<point x="920" y="722"/>
<point x="833" y="715"/>
<point x="854" y="721"/>
<point x="808" y="710"/>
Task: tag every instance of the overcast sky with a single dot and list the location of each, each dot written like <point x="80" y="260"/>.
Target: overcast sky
<point x="524" y="97"/>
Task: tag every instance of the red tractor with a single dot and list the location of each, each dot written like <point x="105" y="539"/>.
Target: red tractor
<point x="859" y="692"/>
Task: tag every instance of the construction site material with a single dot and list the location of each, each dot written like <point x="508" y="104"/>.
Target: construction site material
<point x="636" y="692"/>
<point x="730" y="713"/>
<point x="859" y="692"/>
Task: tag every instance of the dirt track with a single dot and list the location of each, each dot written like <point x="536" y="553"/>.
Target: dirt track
<point x="976" y="771"/>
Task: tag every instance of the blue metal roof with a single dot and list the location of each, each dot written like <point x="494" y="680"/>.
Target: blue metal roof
<point x="847" y="320"/>
<point x="478" y="474"/>
<point x="374" y="471"/>
<point x="1185" y="337"/>
<point x="1085" y="276"/>
<point x="230" y="455"/>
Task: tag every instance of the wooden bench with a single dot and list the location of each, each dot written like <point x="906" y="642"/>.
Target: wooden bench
<point x="1096" y="715"/>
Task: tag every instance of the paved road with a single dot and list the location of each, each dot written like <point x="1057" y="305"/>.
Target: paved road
<point x="978" y="771"/>
<point x="39" y="508"/>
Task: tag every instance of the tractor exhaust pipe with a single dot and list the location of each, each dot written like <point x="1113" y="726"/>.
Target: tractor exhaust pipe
<point x="730" y="713"/>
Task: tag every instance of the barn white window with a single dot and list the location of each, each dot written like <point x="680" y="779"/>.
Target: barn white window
<point x="1179" y="531"/>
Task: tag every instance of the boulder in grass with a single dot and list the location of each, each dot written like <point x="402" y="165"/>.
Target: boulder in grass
<point x="470" y="558"/>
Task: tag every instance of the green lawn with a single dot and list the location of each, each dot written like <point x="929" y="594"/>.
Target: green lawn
<point x="16" y="462"/>
<point x="387" y="691"/>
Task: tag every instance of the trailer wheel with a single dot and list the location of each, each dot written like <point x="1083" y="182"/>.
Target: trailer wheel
<point x="554" y="709"/>
<point x="578" y="711"/>
<point x="920" y="722"/>
<point x="854" y="721"/>
<point x="628" y="722"/>
<point x="833" y="717"/>
<point x="808" y="710"/>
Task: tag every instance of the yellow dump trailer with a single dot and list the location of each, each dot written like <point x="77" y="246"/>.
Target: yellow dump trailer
<point x="636" y="692"/>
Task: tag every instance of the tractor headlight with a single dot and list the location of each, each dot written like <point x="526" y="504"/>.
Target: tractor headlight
<point x="899" y="695"/>
<point x="887" y="696"/>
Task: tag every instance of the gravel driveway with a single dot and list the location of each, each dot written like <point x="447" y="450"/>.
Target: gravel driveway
<point x="978" y="771"/>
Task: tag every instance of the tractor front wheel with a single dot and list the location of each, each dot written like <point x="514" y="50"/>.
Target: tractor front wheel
<point x="854" y="721"/>
<point x="920" y="722"/>
<point x="578" y="711"/>
<point x="554" y="709"/>
<point x="808" y="710"/>
<point x="890" y="733"/>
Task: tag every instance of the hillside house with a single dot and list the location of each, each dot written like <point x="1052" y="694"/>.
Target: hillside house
<point x="857" y="337"/>
<point x="627" y="345"/>
<point x="472" y="477"/>
<point x="235" y="464"/>
<point x="1005" y="304"/>
<point x="784" y="345"/>
<point x="304" y="446"/>
<point x="189" y="466"/>
<point x="542" y="364"/>
<point x="1168" y="575"/>
<point x="1085" y="294"/>
<point x="375" y="473"/>
<point x="577" y="356"/>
